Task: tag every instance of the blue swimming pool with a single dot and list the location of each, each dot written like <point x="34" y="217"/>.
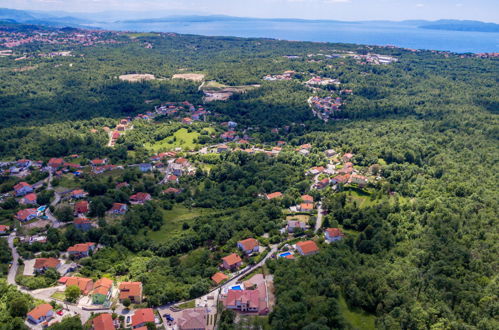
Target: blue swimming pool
<point x="285" y="254"/>
<point x="236" y="287"/>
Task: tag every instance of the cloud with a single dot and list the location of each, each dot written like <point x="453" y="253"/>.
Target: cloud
<point x="419" y="5"/>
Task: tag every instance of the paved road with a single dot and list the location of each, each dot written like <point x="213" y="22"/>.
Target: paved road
<point x="11" y="278"/>
<point x="320" y="216"/>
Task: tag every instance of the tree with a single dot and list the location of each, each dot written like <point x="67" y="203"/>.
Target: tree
<point x="126" y="302"/>
<point x="68" y="323"/>
<point x="18" y="307"/>
<point x="72" y="293"/>
<point x="64" y="213"/>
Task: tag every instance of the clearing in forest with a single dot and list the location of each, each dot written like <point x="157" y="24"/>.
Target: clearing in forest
<point x="189" y="76"/>
<point x="137" y="77"/>
<point x="180" y="139"/>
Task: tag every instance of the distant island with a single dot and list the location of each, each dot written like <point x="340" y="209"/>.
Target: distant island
<point x="455" y="25"/>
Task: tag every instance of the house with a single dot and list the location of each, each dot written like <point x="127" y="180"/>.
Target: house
<point x="29" y="199"/>
<point x="24" y="163"/>
<point x="307" y="248"/>
<point x="330" y="153"/>
<point x="140" y="198"/>
<point x="81" y="250"/>
<point x="78" y="193"/>
<point x="103" y="322"/>
<point x="119" y="208"/>
<point x="102" y="291"/>
<point x="4" y="229"/>
<point x="172" y="178"/>
<point x="56" y="163"/>
<point x="132" y="291"/>
<point x="341" y="179"/>
<point x="41" y="313"/>
<point x="222" y="148"/>
<point x="274" y="195"/>
<point x="193" y="319"/>
<point x="81" y="207"/>
<point x="22" y="188"/>
<point x="322" y="183"/>
<point x="231" y="262"/>
<point x="98" y="162"/>
<point x="358" y="179"/>
<point x="347" y="157"/>
<point x="333" y="234"/>
<point x="316" y="170"/>
<point x="116" y="135"/>
<point x="142" y="317"/>
<point x="248" y="245"/>
<point x="145" y="167"/>
<point x="85" y="284"/>
<point x="83" y="224"/>
<point x="307" y="199"/>
<point x="306" y="207"/>
<point x="122" y="185"/>
<point x="173" y="191"/>
<point x="219" y="278"/>
<point x="26" y="214"/>
<point x="294" y="224"/>
<point x="42" y="264"/>
<point x="247" y="301"/>
<point x="187" y="121"/>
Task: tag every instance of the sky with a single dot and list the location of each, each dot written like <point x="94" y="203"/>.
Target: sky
<point x="345" y="10"/>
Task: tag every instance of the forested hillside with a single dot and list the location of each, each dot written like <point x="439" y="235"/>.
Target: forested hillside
<point x="421" y="239"/>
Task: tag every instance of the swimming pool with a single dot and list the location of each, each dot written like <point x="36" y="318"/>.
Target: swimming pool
<point x="285" y="254"/>
<point x="236" y="287"/>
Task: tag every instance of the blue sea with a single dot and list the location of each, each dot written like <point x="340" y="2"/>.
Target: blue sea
<point x="403" y="34"/>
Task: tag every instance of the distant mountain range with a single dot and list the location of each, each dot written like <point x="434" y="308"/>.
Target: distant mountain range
<point x="101" y="20"/>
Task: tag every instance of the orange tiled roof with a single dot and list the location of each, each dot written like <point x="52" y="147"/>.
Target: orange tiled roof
<point x="219" y="277"/>
<point x="232" y="259"/>
<point x="40" y="311"/>
<point x="307" y="247"/>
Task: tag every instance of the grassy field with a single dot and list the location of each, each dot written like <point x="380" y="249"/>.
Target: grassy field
<point x="357" y="319"/>
<point x="180" y="139"/>
<point x="360" y="196"/>
<point x="67" y="181"/>
<point x="173" y="220"/>
<point x="58" y="295"/>
<point x="142" y="34"/>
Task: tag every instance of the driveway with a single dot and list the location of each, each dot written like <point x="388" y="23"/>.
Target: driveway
<point x="11" y="278"/>
<point x="29" y="267"/>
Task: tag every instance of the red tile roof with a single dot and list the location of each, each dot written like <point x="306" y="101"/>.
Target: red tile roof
<point x="103" y="322"/>
<point x="248" y="244"/>
<point x="21" y="185"/>
<point x="274" y="195"/>
<point x="25" y="213"/>
<point x="142" y="315"/>
<point x="307" y="247"/>
<point x="40" y="311"/>
<point x="219" y="277"/>
<point x="81" y="207"/>
<point x="334" y="232"/>
<point x="140" y="197"/>
<point x="232" y="259"/>
<point x="307" y="199"/>
<point x="46" y="263"/>
<point x="130" y="289"/>
<point x="82" y="247"/>
<point x="30" y="197"/>
<point x="81" y="221"/>
<point x="248" y="296"/>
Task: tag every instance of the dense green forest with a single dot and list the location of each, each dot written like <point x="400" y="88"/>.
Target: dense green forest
<point x="421" y="249"/>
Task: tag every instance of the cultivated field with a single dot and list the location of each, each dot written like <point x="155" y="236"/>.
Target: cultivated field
<point x="137" y="77"/>
<point x="189" y="76"/>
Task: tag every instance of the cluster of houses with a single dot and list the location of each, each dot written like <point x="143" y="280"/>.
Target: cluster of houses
<point x="320" y="81"/>
<point x="325" y="107"/>
<point x="183" y="111"/>
<point x="20" y="168"/>
<point x="287" y="75"/>
<point x="57" y="37"/>
<point x="123" y="125"/>
<point x="375" y="59"/>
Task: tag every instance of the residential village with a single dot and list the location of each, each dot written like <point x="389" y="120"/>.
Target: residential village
<point x="232" y="287"/>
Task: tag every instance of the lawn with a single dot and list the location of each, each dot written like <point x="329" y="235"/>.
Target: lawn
<point x="189" y="304"/>
<point x="300" y="217"/>
<point x="173" y="220"/>
<point x="357" y="319"/>
<point x="180" y="139"/>
<point x="67" y="182"/>
<point x="59" y="295"/>
<point x="362" y="197"/>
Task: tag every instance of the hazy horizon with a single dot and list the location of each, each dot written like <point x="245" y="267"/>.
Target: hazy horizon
<point x="342" y="10"/>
